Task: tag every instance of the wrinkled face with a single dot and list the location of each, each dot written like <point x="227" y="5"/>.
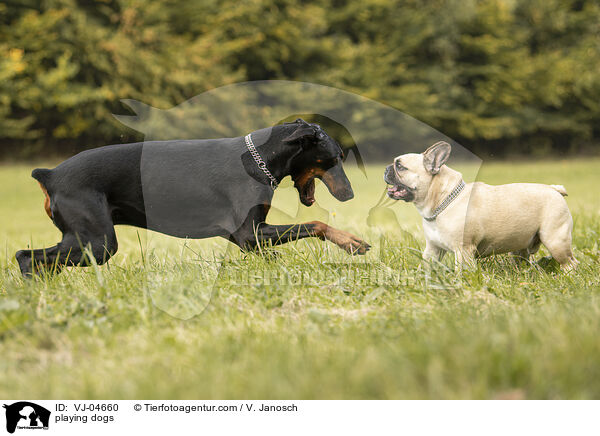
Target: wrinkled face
<point x="407" y="177"/>
<point x="410" y="176"/>
<point x="321" y="158"/>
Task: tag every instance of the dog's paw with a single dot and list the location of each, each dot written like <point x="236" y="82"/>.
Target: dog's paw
<point x="358" y="246"/>
<point x="347" y="241"/>
<point x="24" y="260"/>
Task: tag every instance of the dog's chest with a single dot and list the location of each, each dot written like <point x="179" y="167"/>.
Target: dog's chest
<point x="434" y="236"/>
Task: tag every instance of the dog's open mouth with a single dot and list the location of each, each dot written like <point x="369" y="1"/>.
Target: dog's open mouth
<point x="307" y="192"/>
<point x="400" y="192"/>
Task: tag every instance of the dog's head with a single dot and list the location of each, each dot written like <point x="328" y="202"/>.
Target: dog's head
<point x="320" y="157"/>
<point x="411" y="174"/>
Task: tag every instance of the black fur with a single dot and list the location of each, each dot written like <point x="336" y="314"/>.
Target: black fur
<point x="97" y="189"/>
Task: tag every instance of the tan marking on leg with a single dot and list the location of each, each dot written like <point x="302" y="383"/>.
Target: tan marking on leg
<point x="319" y="228"/>
<point x="46" y="201"/>
<point x="344" y="240"/>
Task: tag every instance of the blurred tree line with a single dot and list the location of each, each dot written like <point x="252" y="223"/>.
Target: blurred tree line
<point x="498" y="76"/>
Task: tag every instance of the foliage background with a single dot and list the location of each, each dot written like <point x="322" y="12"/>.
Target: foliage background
<point x="498" y="76"/>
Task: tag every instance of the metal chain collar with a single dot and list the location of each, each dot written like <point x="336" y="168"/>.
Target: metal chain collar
<point x="449" y="199"/>
<point x="261" y="163"/>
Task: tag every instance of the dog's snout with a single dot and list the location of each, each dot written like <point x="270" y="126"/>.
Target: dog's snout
<point x="342" y="192"/>
<point x="337" y="182"/>
<point x="388" y="175"/>
<point x="345" y="194"/>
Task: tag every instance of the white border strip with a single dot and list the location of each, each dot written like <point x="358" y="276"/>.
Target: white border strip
<point x="318" y="417"/>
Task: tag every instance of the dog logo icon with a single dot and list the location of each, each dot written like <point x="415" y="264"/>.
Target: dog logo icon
<point x="26" y="415"/>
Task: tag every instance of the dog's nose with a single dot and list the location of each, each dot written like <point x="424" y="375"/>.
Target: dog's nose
<point x="388" y="175"/>
<point x="344" y="194"/>
<point x="348" y="195"/>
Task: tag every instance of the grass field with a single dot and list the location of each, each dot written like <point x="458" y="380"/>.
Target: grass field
<point x="314" y="322"/>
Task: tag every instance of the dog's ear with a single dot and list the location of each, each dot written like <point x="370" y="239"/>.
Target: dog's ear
<point x="296" y="121"/>
<point x="436" y="156"/>
<point x="303" y="131"/>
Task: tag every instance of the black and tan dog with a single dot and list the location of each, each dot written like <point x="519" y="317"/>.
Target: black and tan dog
<point x="192" y="189"/>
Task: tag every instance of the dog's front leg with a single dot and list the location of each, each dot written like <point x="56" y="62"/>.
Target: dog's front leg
<point x="433" y="252"/>
<point x="464" y="257"/>
<point x="281" y="234"/>
<point x="342" y="239"/>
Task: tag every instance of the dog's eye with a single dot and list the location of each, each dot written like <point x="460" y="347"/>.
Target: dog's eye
<point x="399" y="167"/>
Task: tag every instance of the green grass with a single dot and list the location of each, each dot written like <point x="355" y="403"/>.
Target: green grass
<point x="311" y="323"/>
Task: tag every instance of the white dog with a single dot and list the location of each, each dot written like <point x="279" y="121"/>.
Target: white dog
<point x="477" y="220"/>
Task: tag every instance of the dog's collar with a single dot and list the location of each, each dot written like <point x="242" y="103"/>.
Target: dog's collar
<point x="449" y="199"/>
<point x="261" y="163"/>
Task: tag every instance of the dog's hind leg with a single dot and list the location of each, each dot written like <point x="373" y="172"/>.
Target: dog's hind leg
<point x="73" y="250"/>
<point x="526" y="253"/>
<point x="521" y="256"/>
<point x="88" y="233"/>
<point x="557" y="239"/>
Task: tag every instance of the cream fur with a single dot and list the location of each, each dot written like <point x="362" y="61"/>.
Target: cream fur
<point x="484" y="219"/>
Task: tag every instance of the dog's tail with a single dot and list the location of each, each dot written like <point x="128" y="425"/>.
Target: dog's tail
<point x="42" y="175"/>
<point x="560" y="189"/>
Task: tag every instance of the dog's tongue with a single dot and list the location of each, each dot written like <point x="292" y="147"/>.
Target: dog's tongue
<point x="397" y="191"/>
